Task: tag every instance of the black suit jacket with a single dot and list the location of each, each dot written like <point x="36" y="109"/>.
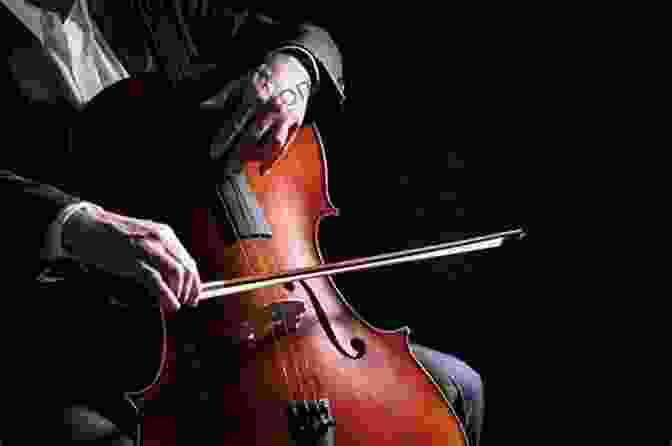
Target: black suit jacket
<point x="45" y="330"/>
<point x="179" y="39"/>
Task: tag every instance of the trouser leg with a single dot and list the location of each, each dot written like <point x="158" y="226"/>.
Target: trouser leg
<point x="72" y="424"/>
<point x="462" y="384"/>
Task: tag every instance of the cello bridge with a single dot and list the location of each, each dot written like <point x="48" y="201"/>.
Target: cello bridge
<point x="282" y="317"/>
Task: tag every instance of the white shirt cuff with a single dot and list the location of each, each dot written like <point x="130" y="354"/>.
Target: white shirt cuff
<point x="53" y="248"/>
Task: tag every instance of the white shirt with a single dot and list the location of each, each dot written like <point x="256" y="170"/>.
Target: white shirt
<point x="87" y="64"/>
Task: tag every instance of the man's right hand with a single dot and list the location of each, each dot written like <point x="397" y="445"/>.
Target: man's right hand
<point x="143" y="250"/>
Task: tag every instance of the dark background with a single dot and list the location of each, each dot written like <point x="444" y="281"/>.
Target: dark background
<point x="475" y="118"/>
<point x="454" y="125"/>
<point x="446" y="112"/>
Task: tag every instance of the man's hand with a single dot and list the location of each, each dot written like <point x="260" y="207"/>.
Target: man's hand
<point x="273" y="102"/>
<point x="143" y="250"/>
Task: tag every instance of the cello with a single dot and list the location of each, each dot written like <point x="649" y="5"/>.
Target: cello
<point x="274" y="354"/>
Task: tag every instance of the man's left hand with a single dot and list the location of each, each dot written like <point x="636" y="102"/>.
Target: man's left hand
<point x="274" y="99"/>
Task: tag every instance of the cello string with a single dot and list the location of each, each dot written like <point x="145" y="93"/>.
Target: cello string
<point x="300" y="373"/>
<point x="306" y="376"/>
<point x="289" y="287"/>
<point x="277" y="341"/>
<point x="246" y="256"/>
<point x="268" y="263"/>
<point x="314" y="392"/>
<point x="291" y="394"/>
<point x="294" y="361"/>
<point x="302" y="367"/>
<point x="279" y="296"/>
<point x="285" y="336"/>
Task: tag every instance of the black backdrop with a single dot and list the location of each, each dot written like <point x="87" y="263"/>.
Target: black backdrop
<point x="473" y="118"/>
<point x="445" y="110"/>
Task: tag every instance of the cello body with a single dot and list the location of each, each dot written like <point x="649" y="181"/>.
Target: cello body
<point x="283" y="365"/>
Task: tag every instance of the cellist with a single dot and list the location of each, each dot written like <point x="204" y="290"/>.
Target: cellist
<point x="57" y="55"/>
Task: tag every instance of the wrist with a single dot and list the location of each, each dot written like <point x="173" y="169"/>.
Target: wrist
<point x="77" y="222"/>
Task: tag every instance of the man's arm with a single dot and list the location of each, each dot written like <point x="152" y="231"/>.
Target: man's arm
<point x="34" y="207"/>
<point x="189" y="30"/>
<point x="28" y="209"/>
